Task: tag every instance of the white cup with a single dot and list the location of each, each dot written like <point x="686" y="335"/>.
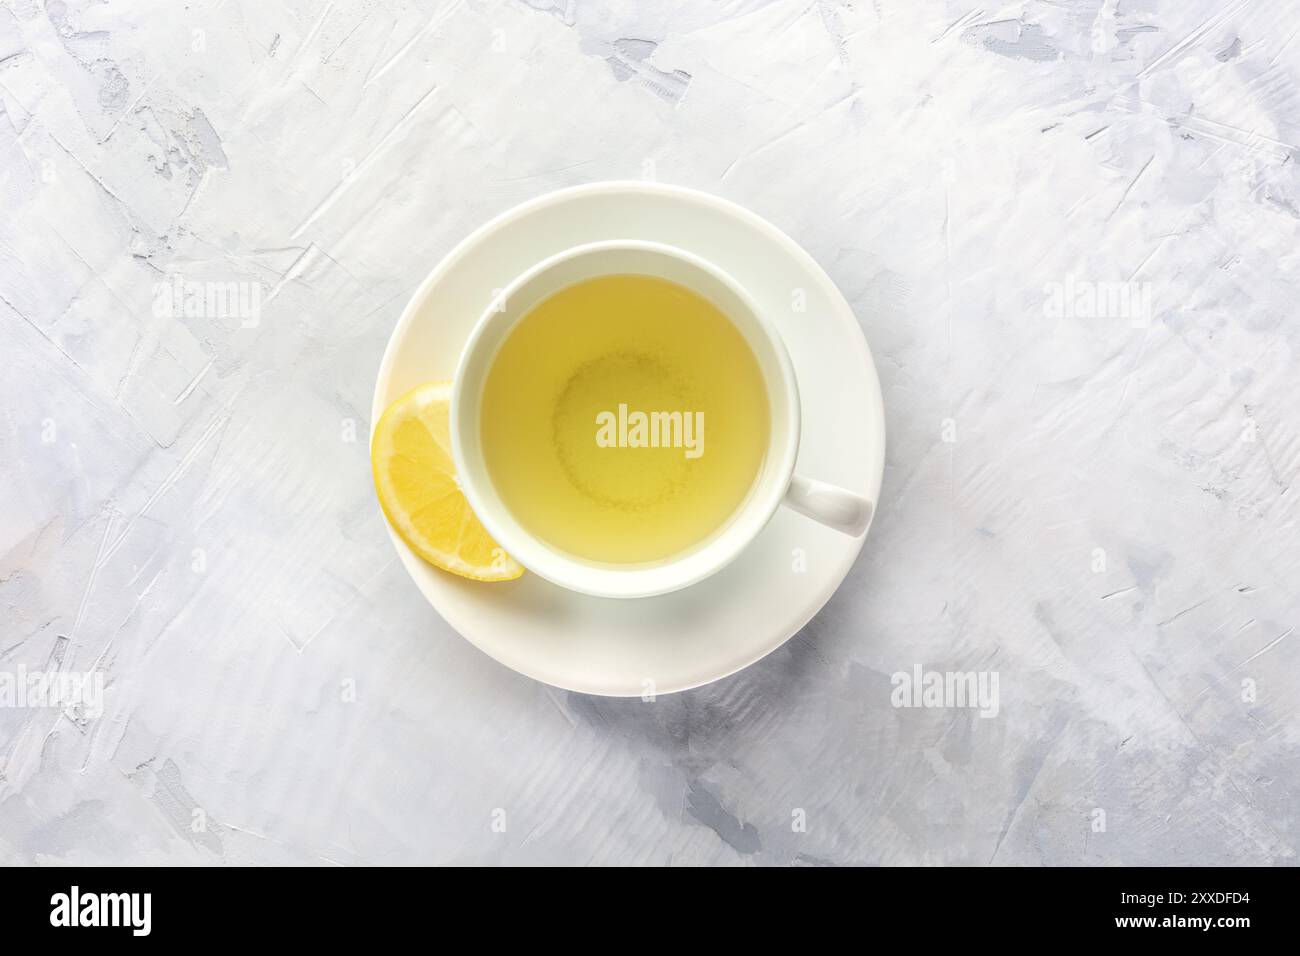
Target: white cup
<point x="775" y="485"/>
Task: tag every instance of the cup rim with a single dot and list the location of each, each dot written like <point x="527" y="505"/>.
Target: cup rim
<point x="573" y="574"/>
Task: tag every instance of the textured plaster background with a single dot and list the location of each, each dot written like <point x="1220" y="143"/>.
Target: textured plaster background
<point x="186" y="507"/>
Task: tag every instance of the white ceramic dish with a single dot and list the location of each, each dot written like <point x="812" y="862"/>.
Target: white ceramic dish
<point x="710" y="630"/>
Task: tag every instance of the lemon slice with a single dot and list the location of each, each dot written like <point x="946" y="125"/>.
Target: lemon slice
<point x="415" y="478"/>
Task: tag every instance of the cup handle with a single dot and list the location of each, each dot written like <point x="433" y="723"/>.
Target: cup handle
<point x="830" y="505"/>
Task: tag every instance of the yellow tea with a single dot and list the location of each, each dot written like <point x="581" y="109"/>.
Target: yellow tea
<point x="624" y="420"/>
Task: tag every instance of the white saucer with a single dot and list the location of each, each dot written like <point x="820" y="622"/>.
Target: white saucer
<point x="663" y="644"/>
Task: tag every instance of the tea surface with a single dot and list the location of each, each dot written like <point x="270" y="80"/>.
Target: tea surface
<point x="624" y="420"/>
